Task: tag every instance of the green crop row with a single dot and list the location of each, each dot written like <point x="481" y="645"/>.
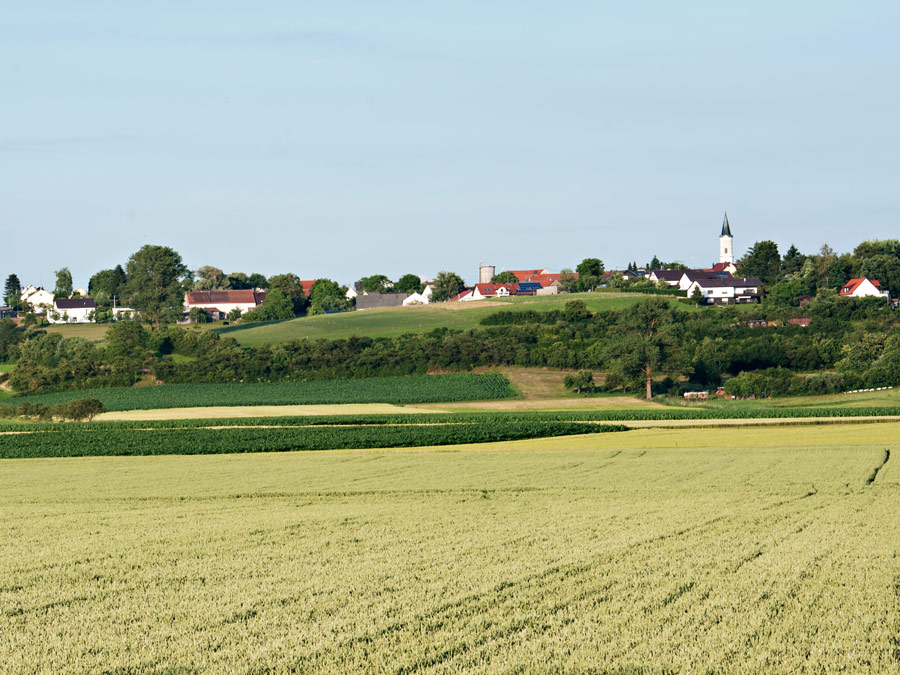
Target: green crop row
<point x="412" y="389"/>
<point x="487" y="418"/>
<point x="79" y="441"/>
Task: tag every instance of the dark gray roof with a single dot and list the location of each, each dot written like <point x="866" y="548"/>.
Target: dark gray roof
<point x="669" y="275"/>
<point x="726" y="228"/>
<point x="75" y="303"/>
<point x="376" y="300"/>
<point x="723" y="282"/>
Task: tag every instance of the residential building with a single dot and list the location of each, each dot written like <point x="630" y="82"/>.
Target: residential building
<point x="75" y="310"/>
<point x="223" y="302"/>
<point x="727" y="291"/>
<point x="41" y="300"/>
<point x="862" y="287"/>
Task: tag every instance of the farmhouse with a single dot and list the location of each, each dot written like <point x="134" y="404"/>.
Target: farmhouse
<point x="729" y="291"/>
<point x="221" y="303"/>
<point x="40" y="300"/>
<point x="863" y="288"/>
<point x="76" y="310"/>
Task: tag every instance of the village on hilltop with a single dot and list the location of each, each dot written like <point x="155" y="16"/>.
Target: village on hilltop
<point x="715" y="285"/>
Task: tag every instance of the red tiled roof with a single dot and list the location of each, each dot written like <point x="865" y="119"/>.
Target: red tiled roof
<point x="461" y="295"/>
<point x="307" y="286"/>
<point x="524" y="275"/>
<point x="491" y="289"/>
<point x="239" y="297"/>
<point x="851" y="286"/>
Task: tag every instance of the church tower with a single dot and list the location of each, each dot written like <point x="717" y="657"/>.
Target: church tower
<point x="726" y="243"/>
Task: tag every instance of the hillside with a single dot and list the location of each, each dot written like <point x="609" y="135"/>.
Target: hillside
<point x="394" y="321"/>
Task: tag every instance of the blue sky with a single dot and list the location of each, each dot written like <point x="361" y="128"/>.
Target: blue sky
<point x="343" y="139"/>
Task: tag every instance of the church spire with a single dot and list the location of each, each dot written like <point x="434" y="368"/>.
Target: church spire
<point x="726" y="228"/>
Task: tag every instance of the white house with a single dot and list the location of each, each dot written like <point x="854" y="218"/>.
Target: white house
<point x="415" y="299"/>
<point x="76" y="310"/>
<point x="864" y="288"/>
<point x="722" y="291"/>
<point x="40" y="300"/>
<point x="224" y="301"/>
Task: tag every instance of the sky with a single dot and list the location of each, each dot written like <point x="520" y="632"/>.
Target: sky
<point x="342" y="139"/>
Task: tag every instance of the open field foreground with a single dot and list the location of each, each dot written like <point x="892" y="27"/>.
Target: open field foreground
<point x="730" y="550"/>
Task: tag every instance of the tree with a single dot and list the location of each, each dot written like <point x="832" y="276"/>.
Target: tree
<point x="109" y="282"/>
<point x="292" y="287"/>
<point x="154" y="287"/>
<point x="763" y="261"/>
<point x="84" y="408"/>
<point x="582" y="382"/>
<point x="647" y="341"/>
<point x="257" y="280"/>
<point x="568" y="282"/>
<point x="447" y="285"/>
<point x="63" y="283"/>
<point x="127" y="339"/>
<point x="793" y="261"/>
<point x="275" y="307"/>
<point x="328" y="296"/>
<point x="409" y="283"/>
<point x="504" y="278"/>
<point x="377" y="283"/>
<point x="697" y="296"/>
<point x="654" y="264"/>
<point x="12" y="291"/>
<point x="576" y="310"/>
<point x="238" y="281"/>
<point x="590" y="273"/>
<point x="199" y="315"/>
<point x="210" y="279"/>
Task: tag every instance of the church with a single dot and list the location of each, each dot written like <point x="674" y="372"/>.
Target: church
<point x="726" y="249"/>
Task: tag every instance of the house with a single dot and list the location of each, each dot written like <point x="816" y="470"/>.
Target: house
<point x="415" y="299"/>
<point x="863" y="288"/>
<point x="804" y="322"/>
<point x="670" y="277"/>
<point x="730" y="291"/>
<point x="41" y="300"/>
<point x="7" y="313"/>
<point x="75" y="310"/>
<point x="379" y="300"/>
<point x="482" y="291"/>
<point x="690" y="276"/>
<point x="221" y="303"/>
<point x="463" y="296"/>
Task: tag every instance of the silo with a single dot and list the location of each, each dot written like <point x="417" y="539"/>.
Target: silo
<point x="486" y="273"/>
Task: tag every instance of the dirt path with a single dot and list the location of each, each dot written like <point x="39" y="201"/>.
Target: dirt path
<point x="767" y="421"/>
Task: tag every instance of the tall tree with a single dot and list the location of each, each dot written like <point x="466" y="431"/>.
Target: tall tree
<point x="447" y="285"/>
<point x="292" y="287"/>
<point x="154" y="287"/>
<point x="377" y="283"/>
<point x="763" y="261"/>
<point x="63" y="283"/>
<point x="257" y="280"/>
<point x="504" y="278"/>
<point x="12" y="291"/>
<point x="328" y="296"/>
<point x="409" y="283"/>
<point x="793" y="261"/>
<point x="210" y="278"/>
<point x="110" y="282"/>
<point x="590" y="273"/>
<point x="647" y="341"/>
<point x="238" y="281"/>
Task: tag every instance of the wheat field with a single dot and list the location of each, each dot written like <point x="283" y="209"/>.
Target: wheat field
<point x="700" y="550"/>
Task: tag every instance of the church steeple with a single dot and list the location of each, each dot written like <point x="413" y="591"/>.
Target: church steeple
<point x="726" y="228"/>
<point x="726" y="243"/>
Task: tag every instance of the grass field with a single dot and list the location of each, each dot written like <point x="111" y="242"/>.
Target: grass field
<point x="765" y="550"/>
<point x="95" y="332"/>
<point x="396" y="321"/>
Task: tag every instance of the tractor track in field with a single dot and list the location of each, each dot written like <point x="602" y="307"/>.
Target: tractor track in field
<point x="874" y="474"/>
